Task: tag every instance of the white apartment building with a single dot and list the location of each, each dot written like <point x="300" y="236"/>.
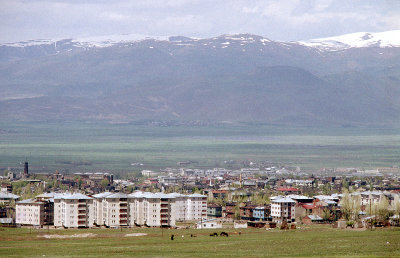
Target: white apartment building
<point x="98" y="208"/>
<point x="283" y="209"/>
<point x="115" y="210"/>
<point x="112" y="209"/>
<point x="73" y="211"/>
<point x="29" y="212"/>
<point x="152" y="209"/>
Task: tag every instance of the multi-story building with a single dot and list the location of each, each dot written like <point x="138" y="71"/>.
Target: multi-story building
<point x="30" y="212"/>
<point x="283" y="209"/>
<point x="196" y="205"/>
<point x="230" y="210"/>
<point x="246" y="212"/>
<point x="6" y="197"/>
<point x="112" y="209"/>
<point x="73" y="211"/>
<point x="152" y="209"/>
<point x="262" y="213"/>
<point x="115" y="210"/>
<point x="98" y="208"/>
<point x="214" y="210"/>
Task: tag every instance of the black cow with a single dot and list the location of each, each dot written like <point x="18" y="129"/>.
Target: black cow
<point x="214" y="234"/>
<point x="172" y="237"/>
<point x="224" y="234"/>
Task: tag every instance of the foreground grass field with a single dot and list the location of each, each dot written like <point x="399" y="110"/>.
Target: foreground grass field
<point x="72" y="147"/>
<point x="303" y="242"/>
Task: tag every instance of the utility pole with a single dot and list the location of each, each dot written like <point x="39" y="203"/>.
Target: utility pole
<point x="370" y="211"/>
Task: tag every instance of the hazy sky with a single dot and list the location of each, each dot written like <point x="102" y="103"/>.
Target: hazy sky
<point x="274" y="19"/>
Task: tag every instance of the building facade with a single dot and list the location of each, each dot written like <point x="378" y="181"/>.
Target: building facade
<point x="283" y="209"/>
<point x="73" y="211"/>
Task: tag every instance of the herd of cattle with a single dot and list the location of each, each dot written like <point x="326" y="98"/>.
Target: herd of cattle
<point x="215" y="234"/>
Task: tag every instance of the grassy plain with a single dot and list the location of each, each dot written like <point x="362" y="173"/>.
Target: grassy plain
<point x="305" y="242"/>
<point x="81" y="147"/>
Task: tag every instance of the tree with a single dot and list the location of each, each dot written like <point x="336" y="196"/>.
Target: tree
<point x="327" y="214"/>
<point x="104" y="183"/>
<point x="351" y="206"/>
<point x="383" y="208"/>
<point x="346" y="205"/>
<point x="396" y="205"/>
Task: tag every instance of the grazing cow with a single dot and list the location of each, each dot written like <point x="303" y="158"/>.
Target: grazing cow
<point x="191" y="235"/>
<point x="172" y="237"/>
<point x="224" y="234"/>
<point x="214" y="234"/>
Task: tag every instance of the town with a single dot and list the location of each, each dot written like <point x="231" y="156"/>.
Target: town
<point x="258" y="196"/>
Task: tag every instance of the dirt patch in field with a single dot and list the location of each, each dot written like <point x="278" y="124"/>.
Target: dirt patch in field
<point x="136" y="234"/>
<point x="69" y="236"/>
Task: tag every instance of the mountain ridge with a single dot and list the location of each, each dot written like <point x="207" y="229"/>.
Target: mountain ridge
<point x="234" y="78"/>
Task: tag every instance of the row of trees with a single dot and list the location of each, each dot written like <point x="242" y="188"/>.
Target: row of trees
<point x="382" y="210"/>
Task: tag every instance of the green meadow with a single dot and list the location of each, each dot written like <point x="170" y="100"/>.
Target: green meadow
<point x="317" y="241"/>
<point x="88" y="147"/>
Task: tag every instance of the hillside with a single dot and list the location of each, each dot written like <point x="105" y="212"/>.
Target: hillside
<point x="230" y="78"/>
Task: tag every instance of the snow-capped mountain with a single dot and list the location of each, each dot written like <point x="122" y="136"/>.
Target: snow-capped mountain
<point x="99" y="41"/>
<point x="356" y="40"/>
<point x="353" y="40"/>
<point x="240" y="77"/>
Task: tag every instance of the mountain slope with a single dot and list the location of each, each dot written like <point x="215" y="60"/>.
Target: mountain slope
<point x="237" y="78"/>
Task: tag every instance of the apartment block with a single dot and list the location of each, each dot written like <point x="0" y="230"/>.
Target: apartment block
<point x="115" y="210"/>
<point x="283" y="209"/>
<point x="30" y="212"/>
<point x="73" y="211"/>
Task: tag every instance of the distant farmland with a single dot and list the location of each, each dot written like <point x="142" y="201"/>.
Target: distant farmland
<point x="80" y="147"/>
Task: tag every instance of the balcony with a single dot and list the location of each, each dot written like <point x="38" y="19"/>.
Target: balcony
<point x="82" y="211"/>
<point x="164" y="211"/>
<point x="164" y="205"/>
<point x="123" y="216"/>
<point x="164" y="216"/>
<point x="123" y="211"/>
<point x="123" y="205"/>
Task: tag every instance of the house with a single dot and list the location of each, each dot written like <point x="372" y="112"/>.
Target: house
<point x="230" y="210"/>
<point x="219" y="194"/>
<point x="207" y="224"/>
<point x="246" y="212"/>
<point x="312" y="219"/>
<point x="239" y="224"/>
<point x="262" y="213"/>
<point x="214" y="210"/>
<point x="288" y="190"/>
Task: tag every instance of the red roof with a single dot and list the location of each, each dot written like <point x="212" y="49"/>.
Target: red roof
<point x="219" y="191"/>
<point x="287" y="189"/>
<point x="308" y="206"/>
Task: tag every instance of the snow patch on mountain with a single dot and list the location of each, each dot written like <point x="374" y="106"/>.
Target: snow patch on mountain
<point x="356" y="40"/>
<point x="110" y="40"/>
